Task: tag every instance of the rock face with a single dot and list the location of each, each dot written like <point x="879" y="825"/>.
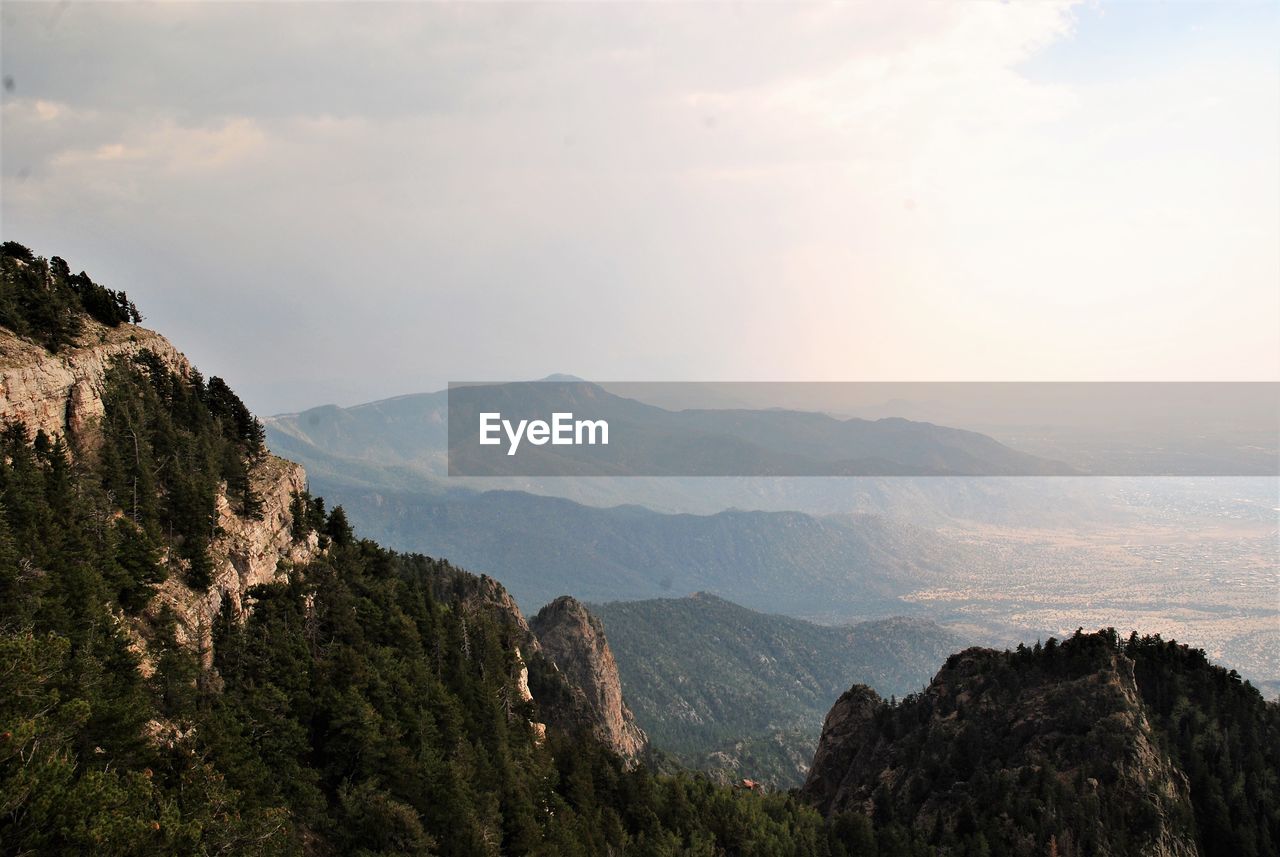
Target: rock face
<point x="245" y="554"/>
<point x="575" y="640"/>
<point x="564" y="663"/>
<point x="992" y="730"/>
<point x="846" y="732"/>
<point x="61" y="394"/>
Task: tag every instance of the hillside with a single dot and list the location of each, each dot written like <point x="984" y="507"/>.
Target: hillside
<point x="724" y="687"/>
<point x="838" y="567"/>
<point x="200" y="657"/>
<point x="1092" y="746"/>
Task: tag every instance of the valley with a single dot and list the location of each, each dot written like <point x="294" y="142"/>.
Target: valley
<point x="739" y="692"/>
<point x="1214" y="586"/>
<point x="1191" y="559"/>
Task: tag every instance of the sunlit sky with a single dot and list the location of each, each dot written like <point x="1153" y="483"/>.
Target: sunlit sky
<point x="342" y="202"/>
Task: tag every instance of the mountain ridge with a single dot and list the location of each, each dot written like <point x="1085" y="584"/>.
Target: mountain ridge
<point x="838" y="567"/>
<point x="1091" y="745"/>
<point x="675" y="442"/>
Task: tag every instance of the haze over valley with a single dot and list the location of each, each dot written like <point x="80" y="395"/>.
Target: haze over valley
<point x="997" y="559"/>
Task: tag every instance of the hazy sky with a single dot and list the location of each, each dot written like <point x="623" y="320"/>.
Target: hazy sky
<point x="341" y="202"/>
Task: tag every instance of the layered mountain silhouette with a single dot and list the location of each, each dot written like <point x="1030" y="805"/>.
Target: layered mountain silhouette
<point x="649" y="440"/>
<point x="834" y="567"/>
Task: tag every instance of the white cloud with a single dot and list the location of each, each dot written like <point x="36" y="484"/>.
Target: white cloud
<point x="409" y="193"/>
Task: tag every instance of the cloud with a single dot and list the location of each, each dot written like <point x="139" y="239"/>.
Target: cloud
<point x="163" y="149"/>
<point x="393" y="195"/>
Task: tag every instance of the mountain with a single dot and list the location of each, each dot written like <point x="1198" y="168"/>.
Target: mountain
<point x="575" y="641"/>
<point x="1092" y="746"/>
<point x="727" y="688"/>
<point x="200" y="657"/>
<point x="68" y="393"/>
<point x="646" y="440"/>
<point x="836" y="567"/>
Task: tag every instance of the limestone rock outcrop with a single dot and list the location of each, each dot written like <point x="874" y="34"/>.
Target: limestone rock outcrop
<point x="575" y="640"/>
<point x="61" y="394"/>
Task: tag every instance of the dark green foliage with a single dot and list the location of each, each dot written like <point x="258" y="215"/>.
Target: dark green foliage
<point x="76" y="773"/>
<point x="1224" y="736"/>
<point x="43" y="301"/>
<point x="307" y="515"/>
<point x="971" y="771"/>
<point x="365" y="707"/>
<point x="17" y="251"/>
<point x="137" y="568"/>
<point x="384" y="718"/>
<point x="337" y="529"/>
<point x="167" y="444"/>
<point x="759" y="684"/>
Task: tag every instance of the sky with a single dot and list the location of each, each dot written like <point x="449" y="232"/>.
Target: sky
<point x="340" y="202"/>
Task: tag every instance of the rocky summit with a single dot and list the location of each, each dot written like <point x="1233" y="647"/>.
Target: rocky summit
<point x="1095" y="745"/>
<point x="575" y="641"/>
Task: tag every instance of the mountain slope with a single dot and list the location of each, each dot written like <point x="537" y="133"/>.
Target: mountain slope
<point x="323" y="696"/>
<point x="837" y="567"/>
<point x="704" y="675"/>
<point x="1094" y="746"/>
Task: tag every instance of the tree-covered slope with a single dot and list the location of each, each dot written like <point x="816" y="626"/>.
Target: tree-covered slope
<point x="1095" y="745"/>
<point x="724" y="686"/>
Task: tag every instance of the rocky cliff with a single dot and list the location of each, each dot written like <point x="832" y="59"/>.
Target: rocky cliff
<point x="61" y="394"/>
<point x="575" y="641"/>
<point x="566" y="665"/>
<point x="1034" y="744"/>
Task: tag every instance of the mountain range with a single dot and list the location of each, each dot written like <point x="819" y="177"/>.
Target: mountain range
<point x="651" y="441"/>
<point x="833" y="567"/>
<point x="202" y="656"/>
<point x="380" y="461"/>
